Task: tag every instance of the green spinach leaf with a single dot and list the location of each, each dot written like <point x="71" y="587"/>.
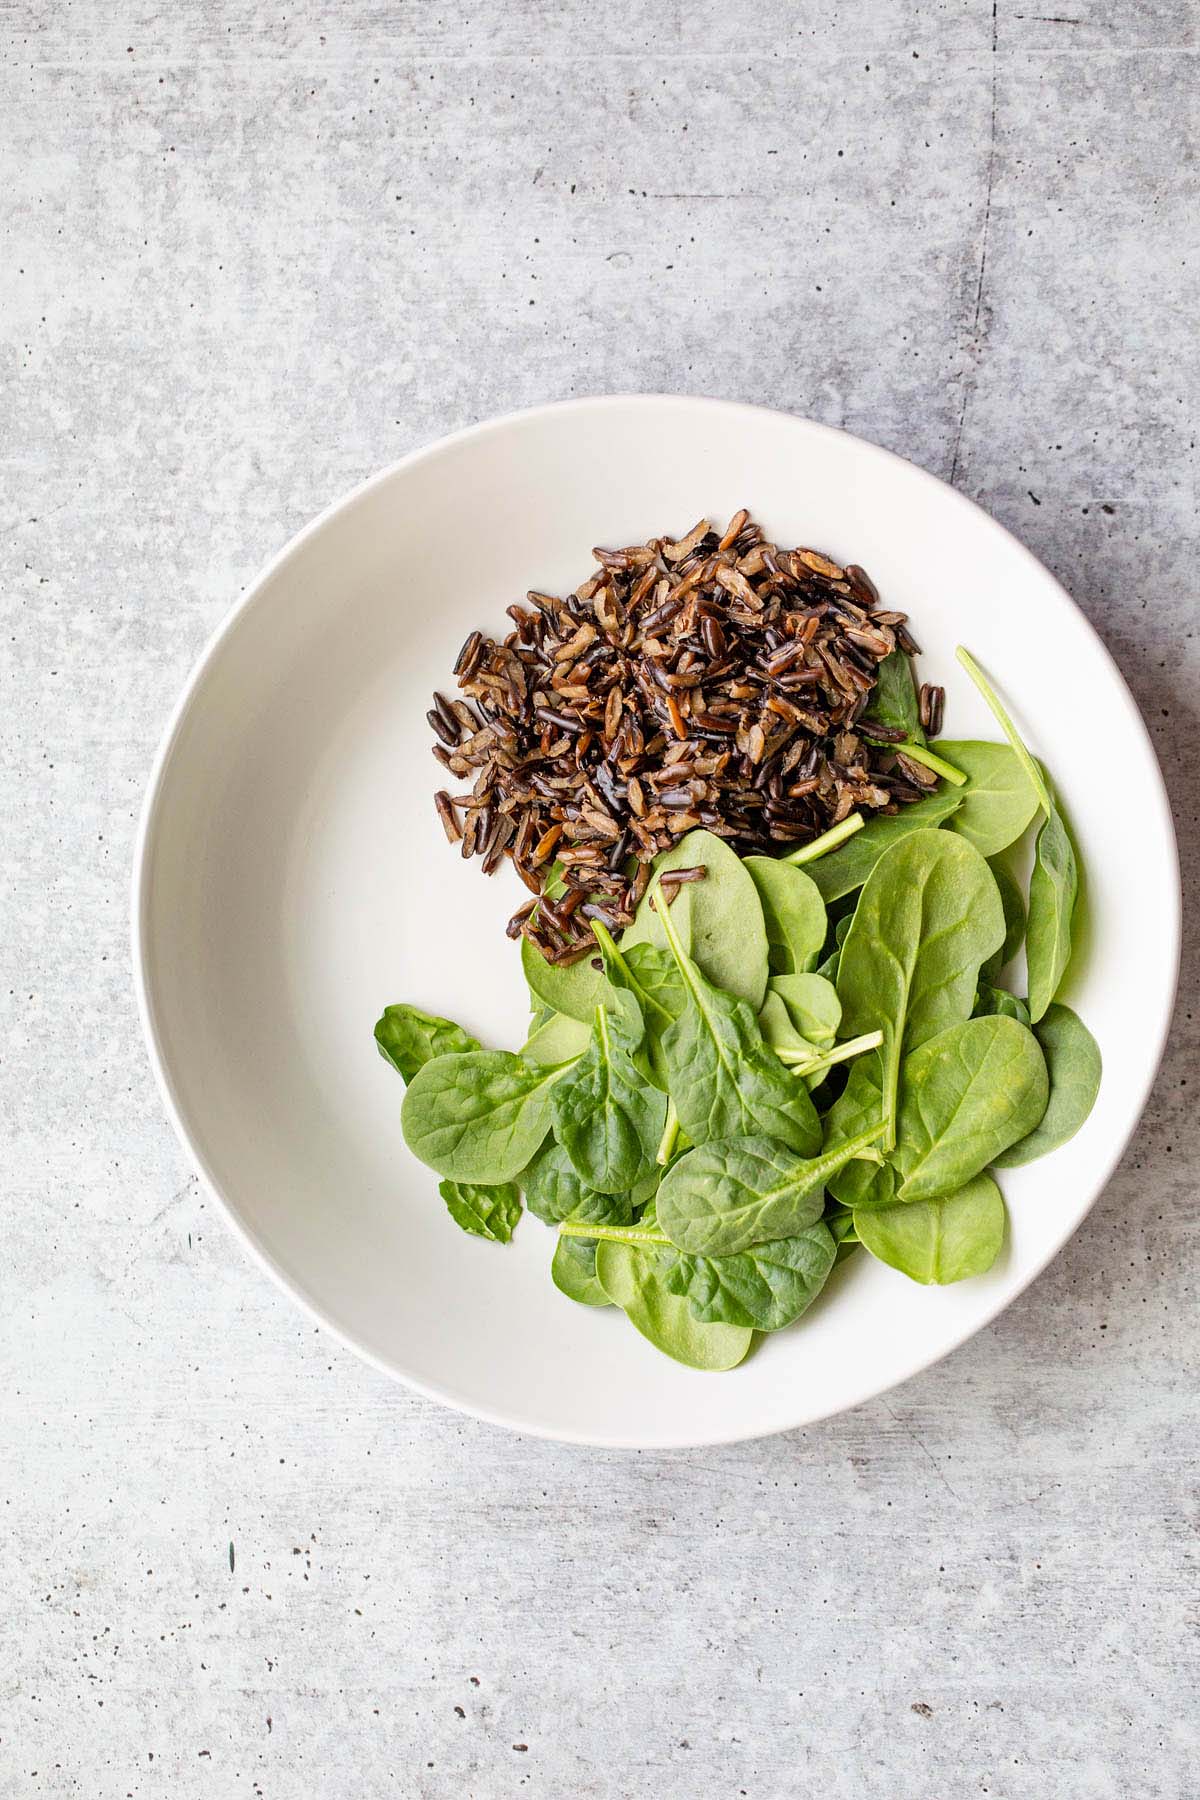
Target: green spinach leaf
<point x="486" y="1212"/>
<point x="800" y="1015"/>
<point x="573" y="1272"/>
<point x="990" y="1000"/>
<point x="722" y="1198"/>
<point x="966" y="1095"/>
<point x="1053" y="886"/>
<point x="649" y="975"/>
<point x="765" y="1288"/>
<point x="929" y="916"/>
<point x="723" y="1079"/>
<point x="856" y="1109"/>
<point x="556" y="1039"/>
<point x="409" y="1038"/>
<point x="478" y="1116"/>
<point x="632" y="1277"/>
<point x="607" y="1117"/>
<point x="1013" y="902"/>
<point x="574" y="988"/>
<point x="1054" y="883"/>
<point x="999" y="799"/>
<point x="793" y="913"/>
<point x="718" y="921"/>
<point x="894" y="698"/>
<point x="1074" y="1066"/>
<point x="938" y="1240"/>
<point x="848" y="867"/>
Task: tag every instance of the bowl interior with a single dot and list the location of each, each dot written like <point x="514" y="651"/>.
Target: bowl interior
<point x="294" y="879"/>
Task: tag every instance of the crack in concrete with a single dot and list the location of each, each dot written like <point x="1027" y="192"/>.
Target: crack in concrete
<point x="975" y="348"/>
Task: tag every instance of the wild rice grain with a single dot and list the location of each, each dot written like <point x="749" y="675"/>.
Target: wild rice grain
<point x="711" y="679"/>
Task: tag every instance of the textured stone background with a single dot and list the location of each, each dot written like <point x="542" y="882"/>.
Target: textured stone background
<point x="250" y="254"/>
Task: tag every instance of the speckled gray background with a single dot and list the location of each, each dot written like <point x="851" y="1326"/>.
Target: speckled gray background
<point x="249" y="254"/>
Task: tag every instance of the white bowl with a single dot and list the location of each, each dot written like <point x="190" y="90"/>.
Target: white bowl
<point x="292" y="878"/>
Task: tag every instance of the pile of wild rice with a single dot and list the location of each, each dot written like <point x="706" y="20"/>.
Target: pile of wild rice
<point x="715" y="681"/>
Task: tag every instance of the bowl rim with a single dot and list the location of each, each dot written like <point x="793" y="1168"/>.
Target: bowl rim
<point x="1157" y="800"/>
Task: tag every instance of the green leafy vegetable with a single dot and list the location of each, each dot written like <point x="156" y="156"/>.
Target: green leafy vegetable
<point x="856" y="1109"/>
<point x="967" y="1094"/>
<point x="723" y="1079"/>
<point x="1013" y="902"/>
<point x="718" y="921"/>
<point x="1074" y="1067"/>
<point x="800" y="1015"/>
<point x="1054" y="883"/>
<point x="409" y="1038"/>
<point x="1053" y="886"/>
<point x="793" y="913"/>
<point x="848" y="867"/>
<point x="486" y="1212"/>
<point x="651" y="977"/>
<point x="999" y="799"/>
<point x="572" y="989"/>
<point x="766" y="1287"/>
<point x="555" y="1039"/>
<point x="938" y="1240"/>
<point x="632" y="1278"/>
<point x="998" y="1000"/>
<point x="724" y="1197"/>
<point x="929" y="916"/>
<point x="763" y="1287"/>
<point x="478" y="1116"/>
<point x="894" y="698"/>
<point x="573" y="1272"/>
<point x="606" y="1115"/>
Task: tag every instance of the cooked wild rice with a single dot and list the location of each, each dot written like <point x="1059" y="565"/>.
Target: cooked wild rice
<point x="713" y="680"/>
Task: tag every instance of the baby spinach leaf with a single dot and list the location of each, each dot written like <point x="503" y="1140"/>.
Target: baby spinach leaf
<point x="557" y="1039"/>
<point x="656" y="982"/>
<point x="573" y="1272"/>
<point x="632" y="1279"/>
<point x="554" y="1188"/>
<point x="718" y="921"/>
<point x="725" y="1197"/>
<point x="966" y="1095"/>
<point x="1013" y="902"/>
<point x="649" y="976"/>
<point x="856" y="1109"/>
<point x="938" y="1240"/>
<point x="723" y="1079"/>
<point x="800" y="1013"/>
<point x="409" y="1038"/>
<point x="847" y="868"/>
<point x="793" y="913"/>
<point x="478" y="1116"/>
<point x="929" y="915"/>
<point x="572" y="989"/>
<point x="765" y="1288"/>
<point x="996" y="1000"/>
<point x="607" y="1117"/>
<point x="1073" y="1063"/>
<point x="1053" y="886"/>
<point x="999" y="799"/>
<point x="1054" y="883"/>
<point x="894" y="698"/>
<point x="486" y="1212"/>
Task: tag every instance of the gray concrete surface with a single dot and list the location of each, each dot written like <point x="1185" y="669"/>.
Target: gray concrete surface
<point x="247" y="255"/>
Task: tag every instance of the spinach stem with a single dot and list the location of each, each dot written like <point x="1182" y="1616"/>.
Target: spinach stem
<point x="870" y="1040"/>
<point x="666" y="1147"/>
<point x="918" y="753"/>
<point x="1006" y="725"/>
<point x="828" y="840"/>
<point x="613" y="1234"/>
